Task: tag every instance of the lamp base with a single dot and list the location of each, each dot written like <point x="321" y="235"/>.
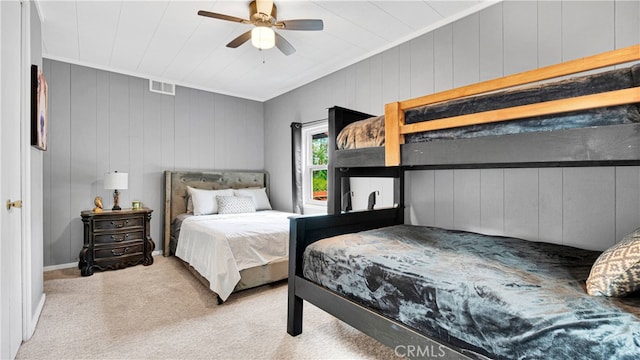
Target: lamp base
<point x="116" y="197"/>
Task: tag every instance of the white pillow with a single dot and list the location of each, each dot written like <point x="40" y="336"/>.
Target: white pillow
<point x="259" y="196"/>
<point x="235" y="204"/>
<point x="204" y="201"/>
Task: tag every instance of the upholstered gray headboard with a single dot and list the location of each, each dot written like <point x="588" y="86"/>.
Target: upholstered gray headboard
<point x="175" y="190"/>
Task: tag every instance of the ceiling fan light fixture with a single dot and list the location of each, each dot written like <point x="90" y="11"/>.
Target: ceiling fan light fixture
<point x="263" y="37"/>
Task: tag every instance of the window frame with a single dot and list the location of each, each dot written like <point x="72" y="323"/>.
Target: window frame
<point x="308" y="167"/>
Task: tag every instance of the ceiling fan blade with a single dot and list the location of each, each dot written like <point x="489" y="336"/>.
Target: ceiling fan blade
<point x="223" y="17"/>
<point x="264" y="6"/>
<point x="284" y="45"/>
<point x="240" y="40"/>
<point x="302" y="24"/>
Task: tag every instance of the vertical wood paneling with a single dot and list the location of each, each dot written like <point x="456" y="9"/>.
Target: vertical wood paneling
<point x="466" y="200"/>
<point x="444" y="200"/>
<point x="587" y="28"/>
<point x="351" y="87"/>
<point x="550" y="205"/>
<point x="47" y="215"/>
<point x="421" y="197"/>
<point x="363" y="84"/>
<point x="443" y="58"/>
<point x="422" y="65"/>
<point x="466" y="51"/>
<point x="490" y="43"/>
<point x="627" y="23"/>
<point x="375" y="90"/>
<point x="404" y="68"/>
<point x="136" y="142"/>
<point x="104" y="136"/>
<point x="492" y="201"/>
<point x="521" y="203"/>
<point x="627" y="200"/>
<point x="219" y="132"/>
<point x="83" y="124"/>
<point x="106" y="121"/>
<point x="390" y="75"/>
<point x="60" y="148"/>
<point x="182" y="132"/>
<point x="151" y="158"/>
<point x="520" y="35"/>
<point x="549" y="33"/>
<point x="589" y="207"/>
<point x="119" y="123"/>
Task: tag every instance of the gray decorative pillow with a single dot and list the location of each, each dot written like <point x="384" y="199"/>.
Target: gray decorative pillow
<point x="235" y="204"/>
<point x="616" y="272"/>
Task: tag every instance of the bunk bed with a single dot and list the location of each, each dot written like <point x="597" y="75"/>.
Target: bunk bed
<point x="611" y="144"/>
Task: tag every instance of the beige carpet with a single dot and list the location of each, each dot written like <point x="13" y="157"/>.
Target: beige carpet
<point x="162" y="312"/>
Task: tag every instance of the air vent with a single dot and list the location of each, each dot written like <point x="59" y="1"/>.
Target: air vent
<point x="161" y="87"/>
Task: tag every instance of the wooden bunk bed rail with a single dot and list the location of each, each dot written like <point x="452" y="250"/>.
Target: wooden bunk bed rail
<point x="395" y="127"/>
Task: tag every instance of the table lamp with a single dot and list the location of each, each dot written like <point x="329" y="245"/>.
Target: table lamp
<point x="116" y="181"/>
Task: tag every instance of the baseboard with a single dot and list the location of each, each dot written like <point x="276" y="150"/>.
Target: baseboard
<point x="60" y="266"/>
<point x="75" y="264"/>
<point x="36" y="317"/>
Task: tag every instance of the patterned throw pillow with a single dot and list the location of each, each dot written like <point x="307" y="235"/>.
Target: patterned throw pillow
<point x="235" y="204"/>
<point x="616" y="272"/>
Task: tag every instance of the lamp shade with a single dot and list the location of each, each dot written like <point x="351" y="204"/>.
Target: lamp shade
<point x="263" y="37"/>
<point x="116" y="181"/>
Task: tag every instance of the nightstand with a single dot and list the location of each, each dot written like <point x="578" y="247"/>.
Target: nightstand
<point x="115" y="240"/>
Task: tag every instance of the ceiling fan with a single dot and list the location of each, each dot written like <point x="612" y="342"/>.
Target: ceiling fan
<point x="263" y="15"/>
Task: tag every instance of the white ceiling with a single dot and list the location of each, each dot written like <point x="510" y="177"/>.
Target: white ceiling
<point x="168" y="41"/>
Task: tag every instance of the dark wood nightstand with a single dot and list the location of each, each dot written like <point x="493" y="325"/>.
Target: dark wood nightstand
<point x="115" y="240"/>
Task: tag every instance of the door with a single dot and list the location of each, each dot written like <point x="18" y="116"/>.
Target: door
<point x="10" y="219"/>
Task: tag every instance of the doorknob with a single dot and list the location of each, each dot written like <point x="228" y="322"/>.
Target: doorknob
<point x="16" y="204"/>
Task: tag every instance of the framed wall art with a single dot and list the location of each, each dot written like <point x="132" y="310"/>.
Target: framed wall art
<point x="39" y="108"/>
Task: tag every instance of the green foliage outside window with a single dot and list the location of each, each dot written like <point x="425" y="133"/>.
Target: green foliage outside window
<point x="319" y="147"/>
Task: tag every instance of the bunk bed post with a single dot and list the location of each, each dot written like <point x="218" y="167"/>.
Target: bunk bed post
<point x="294" y="303"/>
<point x="393" y="120"/>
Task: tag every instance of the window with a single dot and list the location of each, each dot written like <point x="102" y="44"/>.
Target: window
<point x="315" y="142"/>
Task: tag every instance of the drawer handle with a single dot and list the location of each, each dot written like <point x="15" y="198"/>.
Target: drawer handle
<point x="120" y="253"/>
<point x="120" y="224"/>
<point x="119" y="238"/>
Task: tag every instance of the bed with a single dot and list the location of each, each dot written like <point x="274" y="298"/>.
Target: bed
<point x="600" y="144"/>
<point x="220" y="224"/>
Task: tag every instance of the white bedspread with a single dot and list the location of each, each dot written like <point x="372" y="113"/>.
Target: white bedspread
<point x="219" y="246"/>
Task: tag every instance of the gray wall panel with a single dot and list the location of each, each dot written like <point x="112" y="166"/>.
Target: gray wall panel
<point x="490" y="43"/>
<point x="444" y="199"/>
<point x="550" y="204"/>
<point x="549" y="30"/>
<point x="466" y="51"/>
<point x="421" y="75"/>
<point x="589" y="207"/>
<point x="520" y="36"/>
<point x="466" y="200"/>
<point x="106" y="121"/>
<point x="627" y="23"/>
<point x="492" y="201"/>
<point x="83" y="122"/>
<point x="59" y="239"/>
<point x="521" y="203"/>
<point x="587" y="28"/>
<point x="443" y="58"/>
<point x="420" y="195"/>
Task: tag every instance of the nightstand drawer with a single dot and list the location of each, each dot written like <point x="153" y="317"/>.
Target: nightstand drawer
<point x="118" y="237"/>
<point x="113" y="224"/>
<point x="118" y="251"/>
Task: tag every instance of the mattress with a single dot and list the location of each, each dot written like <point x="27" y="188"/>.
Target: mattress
<point x="502" y="297"/>
<point x="370" y="132"/>
<point x="220" y="246"/>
